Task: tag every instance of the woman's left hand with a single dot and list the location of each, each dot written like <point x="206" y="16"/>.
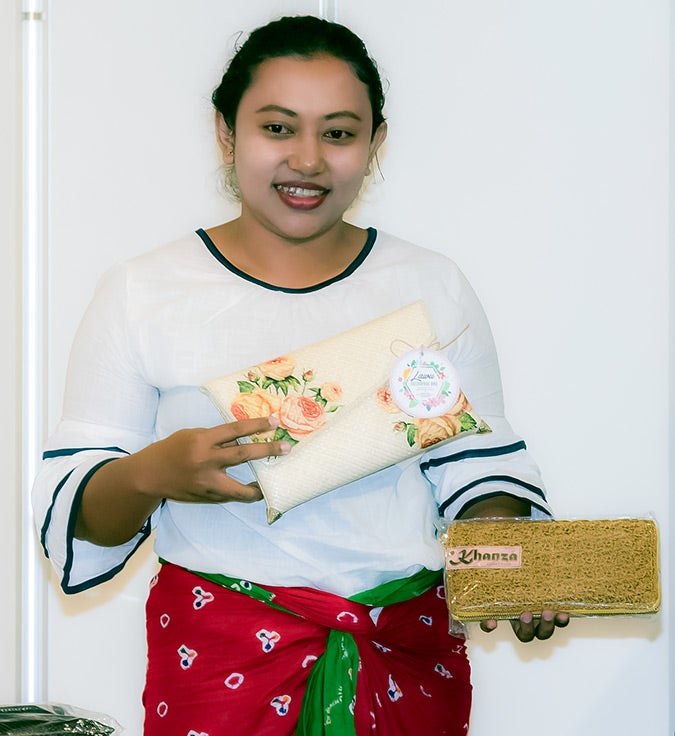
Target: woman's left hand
<point x="528" y="627"/>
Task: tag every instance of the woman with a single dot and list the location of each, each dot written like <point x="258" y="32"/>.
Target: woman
<point x="332" y="620"/>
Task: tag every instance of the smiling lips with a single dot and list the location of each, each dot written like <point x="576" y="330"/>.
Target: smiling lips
<point x="301" y="196"/>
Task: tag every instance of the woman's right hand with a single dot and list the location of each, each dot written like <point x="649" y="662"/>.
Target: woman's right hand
<point x="189" y="466"/>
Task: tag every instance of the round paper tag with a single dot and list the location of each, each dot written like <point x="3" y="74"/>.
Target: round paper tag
<point x="424" y="383"/>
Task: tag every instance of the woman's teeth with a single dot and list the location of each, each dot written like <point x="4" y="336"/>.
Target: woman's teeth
<point x="300" y="191"/>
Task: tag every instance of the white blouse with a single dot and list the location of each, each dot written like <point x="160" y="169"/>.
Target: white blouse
<point x="162" y="324"/>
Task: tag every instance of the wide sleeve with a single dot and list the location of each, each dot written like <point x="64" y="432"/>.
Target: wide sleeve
<point x="109" y="411"/>
<point x="476" y="467"/>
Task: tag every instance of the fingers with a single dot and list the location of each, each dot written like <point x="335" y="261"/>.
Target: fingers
<point x="224" y="434"/>
<point x="488" y="626"/>
<point x="561" y="620"/>
<point x="524" y="627"/>
<point x="226" y="457"/>
<point x="528" y="627"/>
<point x="225" y="489"/>
<point x="224" y="437"/>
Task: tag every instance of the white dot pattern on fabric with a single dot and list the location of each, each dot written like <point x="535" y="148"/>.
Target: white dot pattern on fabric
<point x="234" y="680"/>
<point x="268" y="639"/>
<point x="443" y="671"/>
<point x="202" y="597"/>
<point x="281" y="704"/>
<point x="187" y="656"/>
<point x="162" y="709"/>
<point x="394" y="692"/>
<point x="347" y="616"/>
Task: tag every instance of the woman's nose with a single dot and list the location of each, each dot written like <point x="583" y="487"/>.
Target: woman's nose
<point x="306" y="156"/>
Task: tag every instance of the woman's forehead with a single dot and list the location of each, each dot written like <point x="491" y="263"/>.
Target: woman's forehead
<point x="300" y="84"/>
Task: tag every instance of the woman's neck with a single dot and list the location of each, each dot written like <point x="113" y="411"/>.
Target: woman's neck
<point x="280" y="261"/>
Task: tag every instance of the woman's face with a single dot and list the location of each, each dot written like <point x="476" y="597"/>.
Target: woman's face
<point x="302" y="145"/>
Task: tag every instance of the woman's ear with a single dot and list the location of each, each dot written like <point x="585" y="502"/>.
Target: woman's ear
<point x="377" y="140"/>
<point x="225" y="138"/>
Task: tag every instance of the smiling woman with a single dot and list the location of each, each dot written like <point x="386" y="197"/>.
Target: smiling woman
<point x="301" y="145"/>
<point x="139" y="447"/>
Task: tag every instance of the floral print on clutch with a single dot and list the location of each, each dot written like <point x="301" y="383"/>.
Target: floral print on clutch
<point x="335" y="405"/>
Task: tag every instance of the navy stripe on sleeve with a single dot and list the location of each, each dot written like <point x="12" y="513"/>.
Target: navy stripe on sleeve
<point x="495" y="494"/>
<point x="48" y="515"/>
<point x="70" y="536"/>
<point x="473" y="453"/>
<point x="66" y="451"/>
<point x="491" y="479"/>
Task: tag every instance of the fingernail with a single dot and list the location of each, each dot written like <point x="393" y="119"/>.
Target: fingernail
<point x="547" y="615"/>
<point x="274" y="421"/>
<point x="526" y="618"/>
<point x="285" y="448"/>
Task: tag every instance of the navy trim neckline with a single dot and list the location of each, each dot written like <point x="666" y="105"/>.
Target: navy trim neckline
<point x="360" y="258"/>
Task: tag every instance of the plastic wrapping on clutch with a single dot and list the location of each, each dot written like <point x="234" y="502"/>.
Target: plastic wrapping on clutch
<point x="499" y="568"/>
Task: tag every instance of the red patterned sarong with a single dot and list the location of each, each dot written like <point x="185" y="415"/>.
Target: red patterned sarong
<point x="221" y="663"/>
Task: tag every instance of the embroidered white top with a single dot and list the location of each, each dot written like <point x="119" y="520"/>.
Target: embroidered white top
<point x="162" y="324"/>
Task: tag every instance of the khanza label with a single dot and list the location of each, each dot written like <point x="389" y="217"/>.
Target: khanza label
<point x="463" y="558"/>
<point x="424" y="383"/>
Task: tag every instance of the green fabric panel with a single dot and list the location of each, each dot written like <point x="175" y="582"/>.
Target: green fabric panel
<point x="396" y="591"/>
<point x="328" y="705"/>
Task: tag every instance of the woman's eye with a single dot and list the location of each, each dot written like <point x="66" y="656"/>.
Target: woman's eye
<point x="277" y="129"/>
<point x="338" y="135"/>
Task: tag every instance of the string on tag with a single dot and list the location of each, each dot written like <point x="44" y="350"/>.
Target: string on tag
<point x="432" y="345"/>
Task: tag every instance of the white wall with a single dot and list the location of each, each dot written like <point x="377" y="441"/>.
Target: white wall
<point x="529" y="141"/>
<point x="671" y="446"/>
<point x="10" y="248"/>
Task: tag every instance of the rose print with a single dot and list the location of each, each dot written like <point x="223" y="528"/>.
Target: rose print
<point x="271" y="388"/>
<point x="331" y="391"/>
<point x="277" y="369"/>
<point x="436" y="429"/>
<point x="385" y="400"/>
<point x="301" y="416"/>
<point x="254" y="405"/>
<point x="428" y="431"/>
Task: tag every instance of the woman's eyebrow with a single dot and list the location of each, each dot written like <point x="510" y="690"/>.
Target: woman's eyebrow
<point x="278" y="108"/>
<point x="292" y="114"/>
<point x="342" y="114"/>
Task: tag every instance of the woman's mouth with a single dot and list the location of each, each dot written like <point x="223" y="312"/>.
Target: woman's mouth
<point x="301" y="196"/>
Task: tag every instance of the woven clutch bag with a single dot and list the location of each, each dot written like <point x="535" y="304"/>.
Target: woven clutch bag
<point x="497" y="569"/>
<point x="334" y="406"/>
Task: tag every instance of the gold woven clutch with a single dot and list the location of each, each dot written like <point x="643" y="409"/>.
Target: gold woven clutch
<point x="334" y="406"/>
<point x="497" y="569"/>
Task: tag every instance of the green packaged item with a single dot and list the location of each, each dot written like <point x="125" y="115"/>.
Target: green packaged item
<point x="54" y="719"/>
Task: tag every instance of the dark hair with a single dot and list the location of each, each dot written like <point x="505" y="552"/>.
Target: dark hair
<point x="303" y="36"/>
